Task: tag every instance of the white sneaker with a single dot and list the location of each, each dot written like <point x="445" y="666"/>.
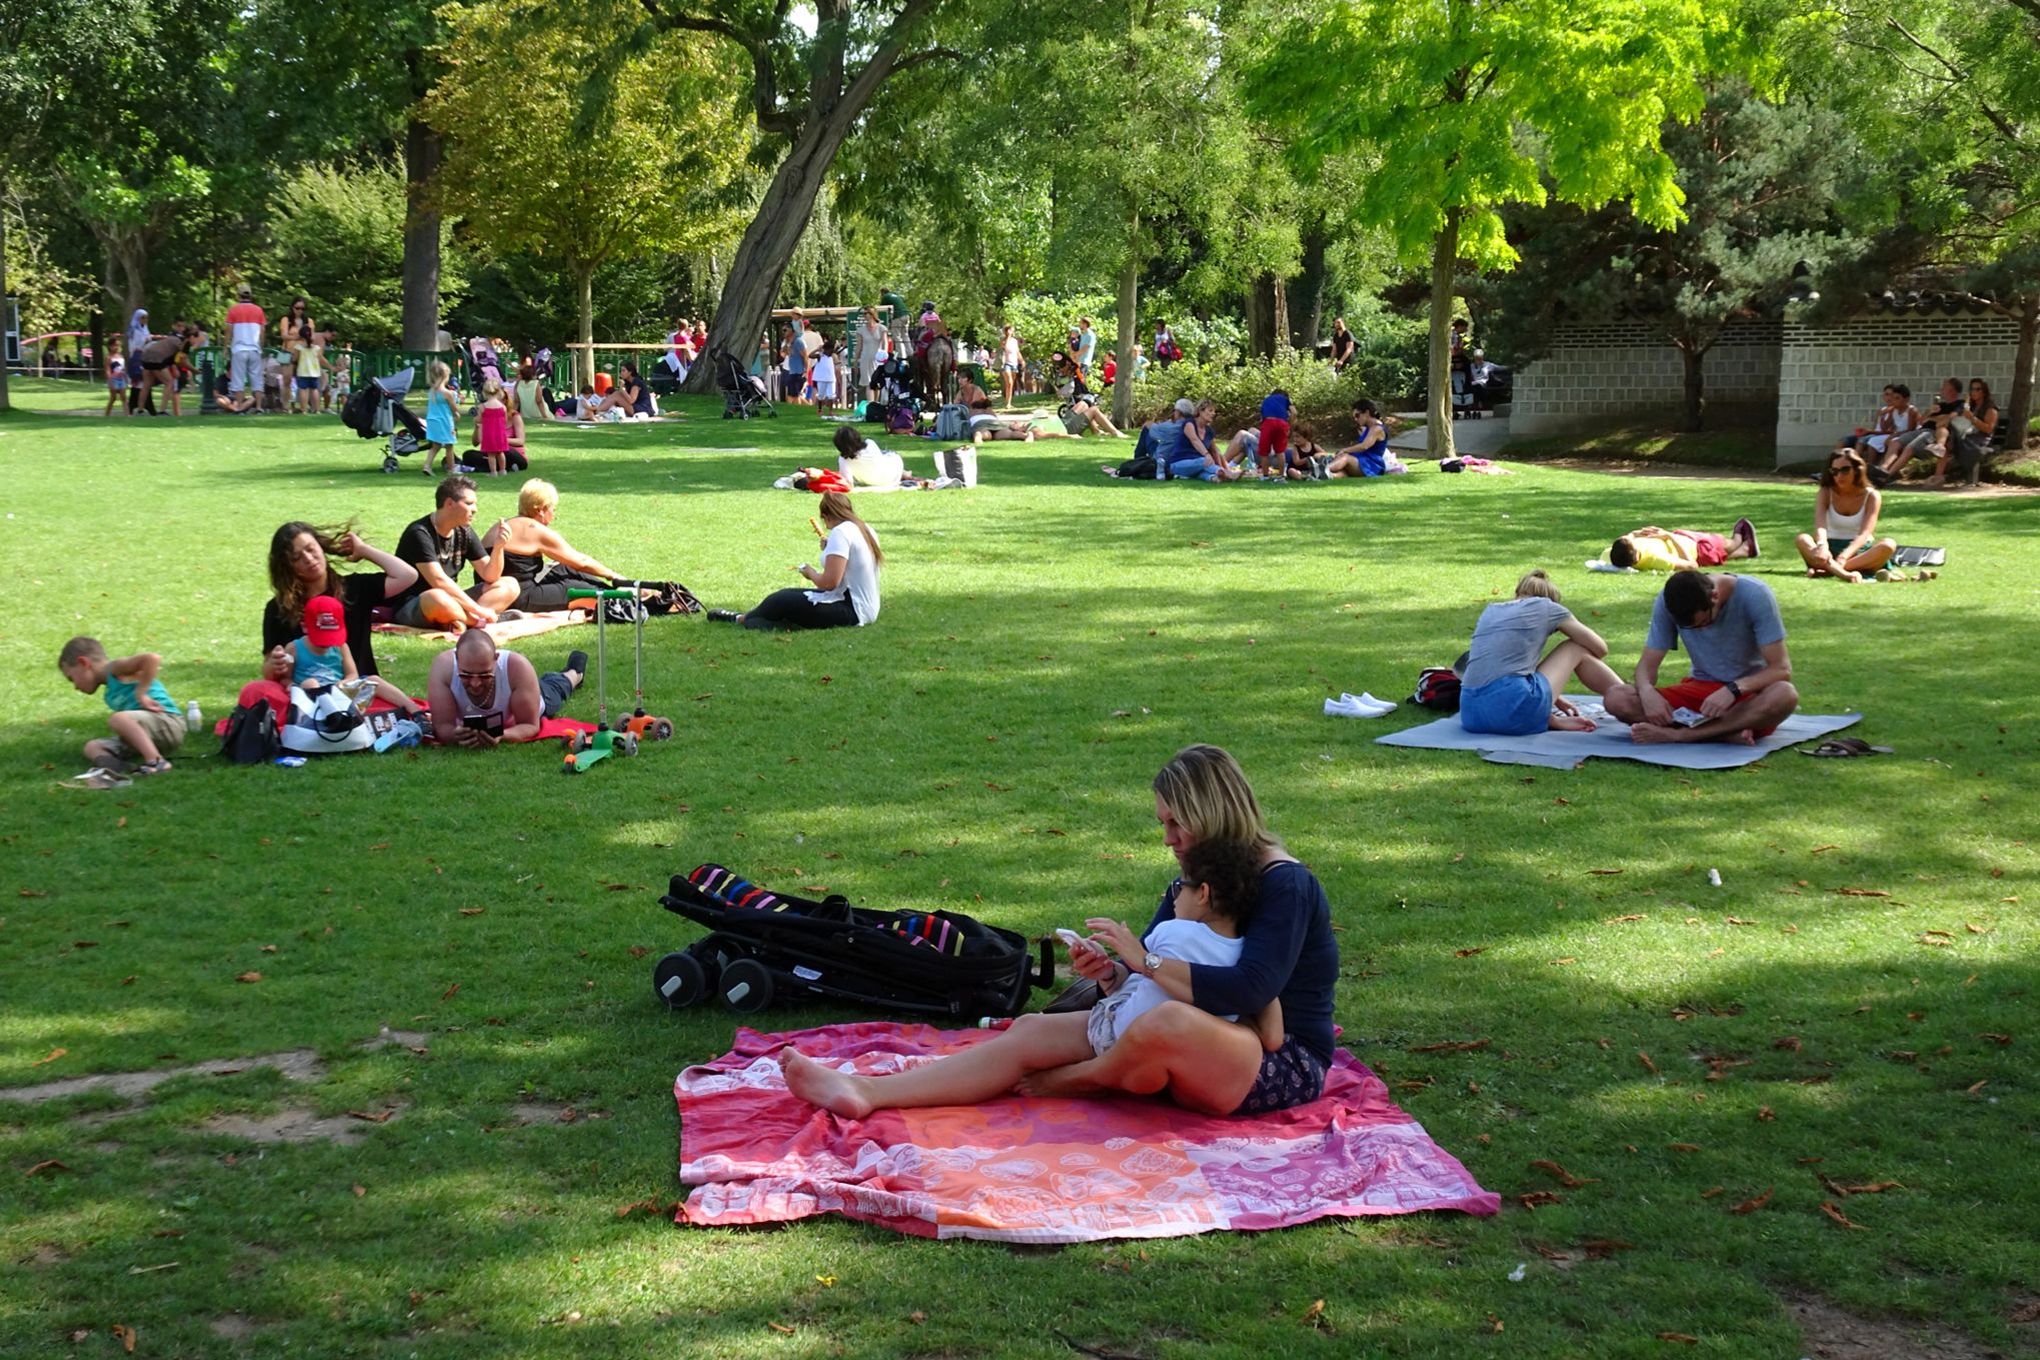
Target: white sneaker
<point x="1381" y="706"/>
<point x="1346" y="706"/>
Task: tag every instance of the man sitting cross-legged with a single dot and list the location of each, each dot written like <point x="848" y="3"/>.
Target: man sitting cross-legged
<point x="438" y="545"/>
<point x="1741" y="681"/>
<point x="481" y="695"/>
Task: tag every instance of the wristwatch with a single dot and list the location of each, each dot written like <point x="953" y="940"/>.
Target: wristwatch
<point x="1734" y="689"/>
<point x="1150" y="962"/>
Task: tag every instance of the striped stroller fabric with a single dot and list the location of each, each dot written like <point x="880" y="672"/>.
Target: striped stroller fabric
<point x="726" y="887"/>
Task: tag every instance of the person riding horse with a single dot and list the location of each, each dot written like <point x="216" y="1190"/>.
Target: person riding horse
<point x="934" y="355"/>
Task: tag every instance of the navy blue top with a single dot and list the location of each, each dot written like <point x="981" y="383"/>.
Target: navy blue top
<point x="1288" y="953"/>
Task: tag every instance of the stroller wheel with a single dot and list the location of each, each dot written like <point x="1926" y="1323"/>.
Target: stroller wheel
<point x="679" y="980"/>
<point x="746" y="986"/>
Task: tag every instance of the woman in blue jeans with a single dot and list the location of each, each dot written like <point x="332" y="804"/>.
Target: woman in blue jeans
<point x="1504" y="686"/>
<point x="1200" y="459"/>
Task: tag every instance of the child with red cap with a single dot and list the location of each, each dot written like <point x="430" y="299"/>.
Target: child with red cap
<point x="321" y="658"/>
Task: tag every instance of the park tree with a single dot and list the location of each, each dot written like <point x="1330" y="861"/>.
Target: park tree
<point x="519" y="120"/>
<point x="1957" y="94"/>
<point x="1471" y="106"/>
<point x="811" y="80"/>
<point x="1778" y="194"/>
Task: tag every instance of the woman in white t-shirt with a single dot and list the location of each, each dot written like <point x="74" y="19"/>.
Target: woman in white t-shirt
<point x="864" y="464"/>
<point x="845" y="593"/>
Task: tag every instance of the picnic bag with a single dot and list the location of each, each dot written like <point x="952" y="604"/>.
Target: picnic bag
<point x="1142" y="468"/>
<point x="325" y="724"/>
<point x="251" y="737"/>
<point x="1437" y="689"/>
<point x="952" y="420"/>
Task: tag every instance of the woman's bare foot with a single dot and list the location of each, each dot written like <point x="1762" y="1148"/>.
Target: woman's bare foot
<point x="1562" y="723"/>
<point x="1076" y="1079"/>
<point x="840" y="1093"/>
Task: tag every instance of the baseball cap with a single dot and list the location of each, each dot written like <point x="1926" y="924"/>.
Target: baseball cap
<point x="247" y="294"/>
<point x="325" y="623"/>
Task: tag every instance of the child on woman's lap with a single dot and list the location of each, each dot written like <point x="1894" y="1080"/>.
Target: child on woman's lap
<point x="1220" y="885"/>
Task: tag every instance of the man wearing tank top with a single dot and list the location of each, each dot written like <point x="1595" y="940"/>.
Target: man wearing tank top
<point x="481" y="695"/>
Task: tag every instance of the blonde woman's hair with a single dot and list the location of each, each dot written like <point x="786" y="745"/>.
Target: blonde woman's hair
<point x="536" y="495"/>
<point x="836" y="509"/>
<point x="1205" y="788"/>
<point x="1537" y="583"/>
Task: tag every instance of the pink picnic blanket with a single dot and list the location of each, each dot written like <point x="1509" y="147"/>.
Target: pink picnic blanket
<point x="1042" y="1170"/>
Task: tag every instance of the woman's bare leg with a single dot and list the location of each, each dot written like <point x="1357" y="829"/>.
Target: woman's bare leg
<point x="978" y="1073"/>
<point x="1873" y="557"/>
<point x="1566" y="660"/>
<point x="1205" y="1063"/>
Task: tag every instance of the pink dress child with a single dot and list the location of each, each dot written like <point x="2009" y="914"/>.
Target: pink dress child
<point x="494" y="434"/>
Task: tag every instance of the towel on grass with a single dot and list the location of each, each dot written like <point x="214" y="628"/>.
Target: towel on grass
<point x="1021" y="1169"/>
<point x="1569" y="750"/>
<point x="506" y="630"/>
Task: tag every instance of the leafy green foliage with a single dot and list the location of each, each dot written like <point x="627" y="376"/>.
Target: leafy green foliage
<point x="1323" y="400"/>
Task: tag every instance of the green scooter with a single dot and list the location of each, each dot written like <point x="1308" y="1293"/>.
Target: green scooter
<point x="586" y="749"/>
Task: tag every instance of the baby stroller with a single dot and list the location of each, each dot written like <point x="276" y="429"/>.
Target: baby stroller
<point x="377" y="410"/>
<point x="743" y="391"/>
<point x="483" y="364"/>
<point x="763" y="945"/>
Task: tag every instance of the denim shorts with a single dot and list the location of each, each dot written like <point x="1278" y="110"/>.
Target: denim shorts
<point x="1513" y="706"/>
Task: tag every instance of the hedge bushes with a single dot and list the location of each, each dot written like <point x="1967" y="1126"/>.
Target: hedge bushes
<point x="1323" y="400"/>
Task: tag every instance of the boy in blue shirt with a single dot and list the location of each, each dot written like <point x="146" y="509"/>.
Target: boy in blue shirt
<point x="1274" y="445"/>
<point x="145" y="721"/>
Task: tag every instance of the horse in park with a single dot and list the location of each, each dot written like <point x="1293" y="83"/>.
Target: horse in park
<point x="938" y="368"/>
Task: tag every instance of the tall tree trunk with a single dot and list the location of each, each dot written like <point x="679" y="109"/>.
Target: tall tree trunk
<point x="584" y="293"/>
<point x="768" y="244"/>
<point x="1129" y="296"/>
<point x="1693" y="401"/>
<point x="1444" y="260"/>
<point x="1262" y="305"/>
<point x="1307" y="295"/>
<point x="4" y="318"/>
<point x="2019" y="415"/>
<point x="421" y="237"/>
<point x="1278" y="318"/>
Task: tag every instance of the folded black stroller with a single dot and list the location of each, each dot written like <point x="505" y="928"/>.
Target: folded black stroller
<point x="743" y="391"/>
<point x="764" y="947"/>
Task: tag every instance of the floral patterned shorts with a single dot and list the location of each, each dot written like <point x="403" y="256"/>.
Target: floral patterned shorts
<point x="1291" y="1075"/>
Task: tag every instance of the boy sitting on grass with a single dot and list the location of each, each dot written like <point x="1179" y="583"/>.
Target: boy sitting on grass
<point x="145" y="721"/>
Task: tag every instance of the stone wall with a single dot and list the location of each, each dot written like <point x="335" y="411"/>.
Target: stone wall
<point x="1595" y="373"/>
<point x="1831" y="376"/>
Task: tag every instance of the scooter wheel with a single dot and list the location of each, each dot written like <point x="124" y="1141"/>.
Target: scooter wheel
<point x="626" y="744"/>
<point x="662" y="730"/>
<point x="679" y="980"/>
<point x="746" y="986"/>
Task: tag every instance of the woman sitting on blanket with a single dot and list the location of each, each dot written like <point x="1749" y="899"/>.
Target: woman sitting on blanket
<point x="535" y="554"/>
<point x="1214" y="901"/>
<point x="1506" y="689"/>
<point x="301" y="567"/>
<point x="1286" y="954"/>
<point x="1844" y="540"/>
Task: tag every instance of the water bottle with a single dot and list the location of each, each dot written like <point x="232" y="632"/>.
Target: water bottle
<point x="191" y="716"/>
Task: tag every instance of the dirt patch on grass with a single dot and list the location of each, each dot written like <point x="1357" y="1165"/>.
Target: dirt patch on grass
<point x="551" y="1112"/>
<point x="1829" y="1333"/>
<point x="413" y="1039"/>
<point x="297" y="1064"/>
<point x="235" y="1327"/>
<point x="300" y="1126"/>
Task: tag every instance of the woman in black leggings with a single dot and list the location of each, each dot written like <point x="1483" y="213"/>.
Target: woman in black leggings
<point x="845" y="593"/>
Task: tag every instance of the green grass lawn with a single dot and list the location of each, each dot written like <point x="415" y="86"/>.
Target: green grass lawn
<point x="1047" y="641"/>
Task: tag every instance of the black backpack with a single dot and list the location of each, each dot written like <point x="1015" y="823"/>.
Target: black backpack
<point x="251" y="737"/>
<point x="1141" y="469"/>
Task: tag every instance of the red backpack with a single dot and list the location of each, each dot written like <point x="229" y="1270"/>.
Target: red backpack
<point x="1437" y="689"/>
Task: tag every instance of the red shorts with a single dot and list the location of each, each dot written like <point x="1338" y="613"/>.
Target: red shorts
<point x="1709" y="550"/>
<point x="1274" y="440"/>
<point x="1689" y="693"/>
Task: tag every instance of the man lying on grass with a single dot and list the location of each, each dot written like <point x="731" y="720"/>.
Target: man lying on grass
<point x="1740" y="687"/>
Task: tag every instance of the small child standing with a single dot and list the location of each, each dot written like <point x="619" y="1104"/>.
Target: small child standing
<point x="1274" y="445"/>
<point x="1506" y="688"/>
<point x="116" y="378"/>
<point x="146" y="724"/>
<point x="1220" y="888"/>
<point x="308" y="360"/>
<point x="321" y="659"/>
<point x="824" y="378"/>
<point x="492" y="427"/>
<point x="439" y="421"/>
